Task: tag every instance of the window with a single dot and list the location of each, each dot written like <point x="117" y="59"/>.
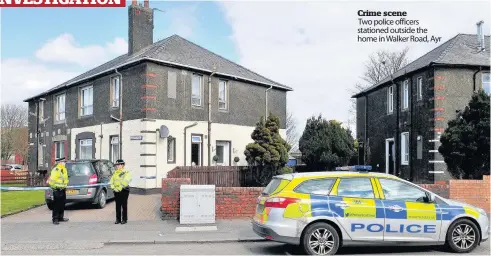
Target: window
<point x="59" y="149"/>
<point x="390" y="99"/>
<point x="86" y="99"/>
<point x="171" y="150"/>
<point x="222" y="95"/>
<point x="41" y="110"/>
<point x="356" y="187"/>
<point x="420" y="88"/>
<point x="405" y="95"/>
<point x="196" y="93"/>
<point x="486" y="83"/>
<point x="85" y="149"/>
<point x="405" y="148"/>
<point x="114" y="148"/>
<point x="60" y="107"/>
<point x="315" y="186"/>
<point x="115" y="86"/>
<point x="397" y="190"/>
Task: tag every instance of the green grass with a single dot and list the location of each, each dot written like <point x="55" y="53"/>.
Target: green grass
<point x="16" y="201"/>
<point x="13" y="184"/>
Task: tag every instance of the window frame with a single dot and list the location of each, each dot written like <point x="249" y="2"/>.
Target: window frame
<point x="326" y="194"/>
<point x="395" y="180"/>
<point x="111" y="149"/>
<point x="419" y="85"/>
<point x="225" y="101"/>
<point x="489" y="82"/>
<point x="56" y="111"/>
<point x="390" y="99"/>
<point x="173" y="141"/>
<point x="348" y="178"/>
<point x="405" y="148"/>
<point x="200" y="90"/>
<point x="82" y="107"/>
<point x="405" y="94"/>
<point x="80" y="148"/>
<point x="115" y="97"/>
<point x="57" y="146"/>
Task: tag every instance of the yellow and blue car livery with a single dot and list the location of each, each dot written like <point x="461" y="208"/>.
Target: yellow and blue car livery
<point x="364" y="207"/>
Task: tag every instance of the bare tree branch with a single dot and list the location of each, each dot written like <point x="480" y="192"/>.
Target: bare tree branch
<point x="292" y="136"/>
<point x="13" y="120"/>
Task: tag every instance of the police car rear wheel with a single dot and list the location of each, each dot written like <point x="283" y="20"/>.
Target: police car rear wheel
<point x="321" y="239"/>
<point x="463" y="236"/>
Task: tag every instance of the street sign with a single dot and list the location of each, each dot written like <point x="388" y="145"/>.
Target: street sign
<point x="136" y="137"/>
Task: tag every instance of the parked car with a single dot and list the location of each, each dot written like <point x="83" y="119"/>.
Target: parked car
<point x="86" y="172"/>
<point x="323" y="211"/>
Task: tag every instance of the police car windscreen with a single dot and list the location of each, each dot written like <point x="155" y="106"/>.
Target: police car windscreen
<point x="79" y="169"/>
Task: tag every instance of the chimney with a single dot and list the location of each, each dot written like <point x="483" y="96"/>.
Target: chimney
<point x="140" y="26"/>
<point x="480" y="35"/>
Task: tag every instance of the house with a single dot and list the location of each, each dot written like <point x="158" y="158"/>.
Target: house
<point x="178" y="104"/>
<point x="400" y="119"/>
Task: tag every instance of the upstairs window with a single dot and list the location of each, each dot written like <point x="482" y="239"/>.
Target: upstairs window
<point x="196" y="91"/>
<point x="86" y="101"/>
<point x="390" y="99"/>
<point x="486" y="83"/>
<point x="222" y="95"/>
<point x="60" y="107"/>
<point x="115" y="87"/>
<point x="405" y="95"/>
<point x="420" y="88"/>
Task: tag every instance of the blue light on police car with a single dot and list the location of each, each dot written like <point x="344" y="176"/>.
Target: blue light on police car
<point x="355" y="168"/>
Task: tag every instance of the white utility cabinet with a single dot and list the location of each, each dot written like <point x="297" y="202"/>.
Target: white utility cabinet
<point x="197" y="204"/>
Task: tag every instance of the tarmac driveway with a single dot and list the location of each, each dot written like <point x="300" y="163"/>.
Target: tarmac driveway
<point x="140" y="207"/>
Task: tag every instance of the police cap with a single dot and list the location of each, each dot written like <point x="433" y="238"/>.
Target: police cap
<point x="120" y="161"/>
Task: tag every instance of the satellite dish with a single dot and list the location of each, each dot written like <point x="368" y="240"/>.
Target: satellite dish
<point x="164" y="131"/>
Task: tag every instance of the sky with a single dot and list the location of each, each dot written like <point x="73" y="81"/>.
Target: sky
<point x="310" y="46"/>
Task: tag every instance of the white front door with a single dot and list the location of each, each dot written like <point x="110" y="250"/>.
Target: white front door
<point x="223" y="153"/>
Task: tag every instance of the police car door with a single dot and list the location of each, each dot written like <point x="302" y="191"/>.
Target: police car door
<point x="408" y="214"/>
<point x="355" y="207"/>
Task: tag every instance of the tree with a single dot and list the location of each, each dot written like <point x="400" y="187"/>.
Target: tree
<point x="465" y="142"/>
<point x="269" y="151"/>
<point x="14" y="118"/>
<point x="325" y="144"/>
<point x="291" y="132"/>
<point x="380" y="65"/>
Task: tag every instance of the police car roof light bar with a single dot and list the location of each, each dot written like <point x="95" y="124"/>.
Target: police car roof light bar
<point x="361" y="168"/>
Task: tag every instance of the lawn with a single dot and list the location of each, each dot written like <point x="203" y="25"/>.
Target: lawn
<point x="15" y="201"/>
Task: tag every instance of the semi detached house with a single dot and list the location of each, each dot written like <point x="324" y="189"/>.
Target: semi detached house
<point x="401" y="118"/>
<point x="180" y="105"/>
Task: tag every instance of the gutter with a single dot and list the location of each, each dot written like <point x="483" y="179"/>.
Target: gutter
<point x="185" y="130"/>
<point x="474" y="79"/>
<point x="209" y="118"/>
<point x="167" y="63"/>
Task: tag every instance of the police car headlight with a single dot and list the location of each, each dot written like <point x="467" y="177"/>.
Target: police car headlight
<point x="482" y="211"/>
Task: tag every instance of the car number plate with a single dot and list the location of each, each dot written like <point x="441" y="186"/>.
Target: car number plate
<point x="72" y="192"/>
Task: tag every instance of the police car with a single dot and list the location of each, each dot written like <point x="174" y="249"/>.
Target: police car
<point x="322" y="211"/>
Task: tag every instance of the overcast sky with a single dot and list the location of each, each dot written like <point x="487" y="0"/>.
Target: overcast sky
<point x="309" y="46"/>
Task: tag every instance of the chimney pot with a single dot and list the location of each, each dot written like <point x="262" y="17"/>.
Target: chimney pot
<point x="146" y="4"/>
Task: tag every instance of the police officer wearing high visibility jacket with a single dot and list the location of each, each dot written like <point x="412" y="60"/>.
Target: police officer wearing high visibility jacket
<point x="120" y="184"/>
<point x="58" y="181"/>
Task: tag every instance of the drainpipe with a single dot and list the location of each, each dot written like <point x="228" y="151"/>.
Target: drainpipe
<point x="411" y="136"/>
<point x="37" y="136"/>
<point x="267" y="90"/>
<point x="366" y="131"/>
<point x="209" y="117"/>
<point x="474" y="79"/>
<point x="185" y="129"/>
<point x="397" y="140"/>
<point x="100" y="143"/>
<point x="120" y="114"/>
<point x="157" y="133"/>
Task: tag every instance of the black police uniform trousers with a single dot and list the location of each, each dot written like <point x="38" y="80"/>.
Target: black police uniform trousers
<point x="122" y="204"/>
<point x="59" y="199"/>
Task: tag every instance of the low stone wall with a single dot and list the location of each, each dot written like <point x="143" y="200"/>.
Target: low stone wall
<point x="236" y="202"/>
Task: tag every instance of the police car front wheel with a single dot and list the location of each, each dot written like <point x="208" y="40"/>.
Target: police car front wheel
<point x="321" y="239"/>
<point x="463" y="236"/>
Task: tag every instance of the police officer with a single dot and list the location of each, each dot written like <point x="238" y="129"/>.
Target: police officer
<point x="58" y="181"/>
<point x="120" y="184"/>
